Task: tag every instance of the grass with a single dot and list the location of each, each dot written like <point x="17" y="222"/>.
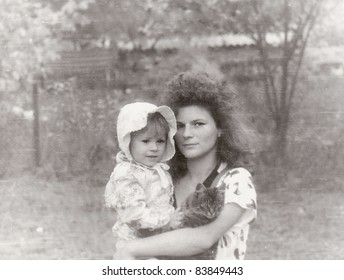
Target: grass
<point x="299" y="224"/>
<point x="53" y="220"/>
<point x="43" y="219"/>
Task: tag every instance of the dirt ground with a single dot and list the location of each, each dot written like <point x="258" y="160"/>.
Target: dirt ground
<point x="43" y="219"/>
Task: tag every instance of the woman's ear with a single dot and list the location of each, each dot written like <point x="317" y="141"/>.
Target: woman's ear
<point x="219" y="133"/>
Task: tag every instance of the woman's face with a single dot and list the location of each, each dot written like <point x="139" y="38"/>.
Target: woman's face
<point x="197" y="132"/>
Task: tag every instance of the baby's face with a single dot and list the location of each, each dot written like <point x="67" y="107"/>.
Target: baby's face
<point x="148" y="147"/>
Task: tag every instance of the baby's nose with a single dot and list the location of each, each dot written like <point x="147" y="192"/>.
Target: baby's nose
<point x="153" y="146"/>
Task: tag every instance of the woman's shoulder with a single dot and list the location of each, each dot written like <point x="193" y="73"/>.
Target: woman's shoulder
<point x="238" y="175"/>
<point x="237" y="172"/>
<point x="240" y="172"/>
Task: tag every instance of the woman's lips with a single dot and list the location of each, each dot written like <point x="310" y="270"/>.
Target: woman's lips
<point x="189" y="145"/>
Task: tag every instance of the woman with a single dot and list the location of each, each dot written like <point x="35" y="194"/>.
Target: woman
<point x="209" y="139"/>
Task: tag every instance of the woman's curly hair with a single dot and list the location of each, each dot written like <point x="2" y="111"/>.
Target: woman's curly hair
<point x="199" y="88"/>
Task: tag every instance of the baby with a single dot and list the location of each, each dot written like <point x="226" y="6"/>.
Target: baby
<point x="140" y="187"/>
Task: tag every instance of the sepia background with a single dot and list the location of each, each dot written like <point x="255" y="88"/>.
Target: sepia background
<point x="67" y="66"/>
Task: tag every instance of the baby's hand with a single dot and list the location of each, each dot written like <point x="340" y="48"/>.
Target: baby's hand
<point x="176" y="219"/>
<point x="121" y="244"/>
<point x="122" y="253"/>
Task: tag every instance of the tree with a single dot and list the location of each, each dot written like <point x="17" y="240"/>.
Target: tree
<point x="292" y="22"/>
<point x="31" y="37"/>
<point x="32" y="34"/>
<point x="330" y="30"/>
<point x="282" y="25"/>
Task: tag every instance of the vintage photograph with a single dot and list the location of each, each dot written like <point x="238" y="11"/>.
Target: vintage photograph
<point x="171" y="130"/>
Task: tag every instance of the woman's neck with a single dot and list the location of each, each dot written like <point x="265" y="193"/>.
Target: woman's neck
<point x="200" y="168"/>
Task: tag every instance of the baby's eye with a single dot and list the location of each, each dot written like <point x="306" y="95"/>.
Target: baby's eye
<point x="161" y="141"/>
<point x="145" y="141"/>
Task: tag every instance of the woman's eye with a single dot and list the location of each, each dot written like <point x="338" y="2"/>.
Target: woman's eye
<point x="199" y="124"/>
<point x="180" y="125"/>
<point x="161" y="141"/>
<point x="145" y="141"/>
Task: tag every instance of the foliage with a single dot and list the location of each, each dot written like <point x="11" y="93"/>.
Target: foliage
<point x="330" y="29"/>
<point x="30" y="37"/>
<point x="315" y="138"/>
<point x="292" y="23"/>
<point x="281" y="31"/>
<point x="77" y="119"/>
<point x="14" y="148"/>
<point x="79" y="122"/>
<point x="111" y="22"/>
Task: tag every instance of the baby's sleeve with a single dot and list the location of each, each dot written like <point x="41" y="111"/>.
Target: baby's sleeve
<point x="239" y="189"/>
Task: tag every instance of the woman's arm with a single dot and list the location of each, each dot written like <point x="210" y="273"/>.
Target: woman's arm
<point x="182" y="242"/>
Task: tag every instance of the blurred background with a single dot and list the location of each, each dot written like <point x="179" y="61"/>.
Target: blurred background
<point x="67" y="67"/>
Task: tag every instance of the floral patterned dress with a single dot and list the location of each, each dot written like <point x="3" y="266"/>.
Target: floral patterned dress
<point x="239" y="189"/>
<point x="142" y="197"/>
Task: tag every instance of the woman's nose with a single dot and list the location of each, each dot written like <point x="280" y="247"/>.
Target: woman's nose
<point x="187" y="133"/>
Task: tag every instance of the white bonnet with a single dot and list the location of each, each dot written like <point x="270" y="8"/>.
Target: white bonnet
<point x="133" y="117"/>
